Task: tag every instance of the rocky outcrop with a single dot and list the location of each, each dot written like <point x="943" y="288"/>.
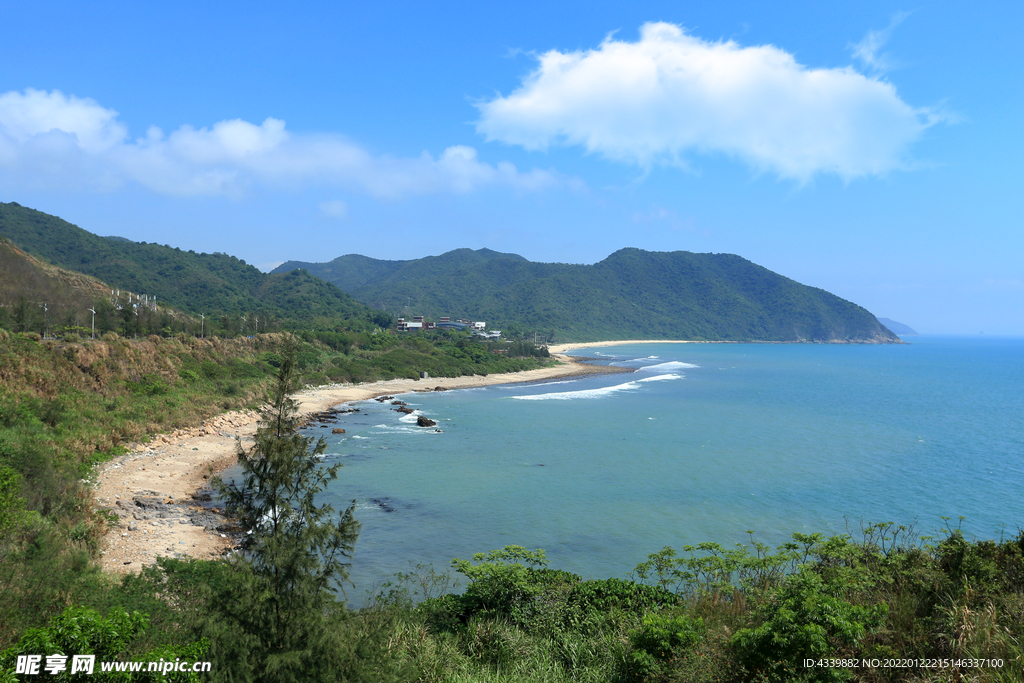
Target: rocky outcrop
<point x="424" y="422"/>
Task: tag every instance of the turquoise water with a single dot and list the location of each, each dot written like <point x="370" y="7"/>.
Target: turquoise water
<point x="702" y="443"/>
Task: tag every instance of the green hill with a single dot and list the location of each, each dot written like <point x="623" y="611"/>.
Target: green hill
<point x="186" y="280"/>
<point x="631" y="294"/>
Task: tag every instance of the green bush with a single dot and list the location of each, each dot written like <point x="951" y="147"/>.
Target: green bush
<point x="189" y="376"/>
<point x="306" y="359"/>
<point x="660" y="639"/>
<point x="508" y="583"/>
<point x="210" y="369"/>
<point x="83" y="631"/>
<point x="239" y="369"/>
<point x="271" y="358"/>
<point x="148" y="385"/>
<point x="804" y="618"/>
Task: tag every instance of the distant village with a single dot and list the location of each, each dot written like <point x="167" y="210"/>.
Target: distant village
<point x="418" y="323"/>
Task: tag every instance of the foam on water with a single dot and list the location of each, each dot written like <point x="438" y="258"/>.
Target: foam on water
<point x="397" y="429"/>
<point x="593" y="393"/>
<point x="670" y="366"/>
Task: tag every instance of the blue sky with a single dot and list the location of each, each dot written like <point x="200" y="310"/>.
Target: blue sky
<point x="871" y="150"/>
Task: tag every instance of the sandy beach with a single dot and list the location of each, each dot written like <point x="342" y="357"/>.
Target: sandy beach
<point x="157" y="490"/>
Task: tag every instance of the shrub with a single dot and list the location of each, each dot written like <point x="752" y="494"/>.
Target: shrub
<point x="148" y="385"/>
<point x="804" y="618"/>
<point x="271" y="358"/>
<point x="189" y="376"/>
<point x="83" y="631"/>
<point x="210" y="369"/>
<point x="507" y="583"/>
<point x="660" y="639"/>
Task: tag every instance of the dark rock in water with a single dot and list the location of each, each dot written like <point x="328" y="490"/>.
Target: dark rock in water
<point x="398" y="403"/>
<point x="424" y="422"/>
<point x="405" y="410"/>
<point x="337" y="430"/>
<point x="439" y="388"/>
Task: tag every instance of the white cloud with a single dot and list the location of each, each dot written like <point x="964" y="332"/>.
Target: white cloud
<point x="868" y="50"/>
<point x="50" y="140"/>
<point x="334" y="208"/>
<point x="671" y="94"/>
<point x="28" y="115"/>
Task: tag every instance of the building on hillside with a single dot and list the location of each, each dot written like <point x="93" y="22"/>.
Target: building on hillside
<point x="420" y="322"/>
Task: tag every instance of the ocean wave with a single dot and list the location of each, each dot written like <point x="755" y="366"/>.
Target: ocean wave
<point x="397" y="429"/>
<point x="659" y="378"/>
<point x="669" y="366"/>
<point x="356" y="436"/>
<point x="594" y="393"/>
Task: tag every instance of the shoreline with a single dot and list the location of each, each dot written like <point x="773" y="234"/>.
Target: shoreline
<point x="157" y="490"/>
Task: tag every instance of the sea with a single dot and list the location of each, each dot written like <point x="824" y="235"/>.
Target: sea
<point x="700" y="442"/>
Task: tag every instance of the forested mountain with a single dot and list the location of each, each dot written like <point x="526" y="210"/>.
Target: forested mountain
<point x="631" y="294"/>
<point x="190" y="281"/>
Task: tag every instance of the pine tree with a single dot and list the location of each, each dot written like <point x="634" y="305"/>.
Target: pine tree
<point x="296" y="551"/>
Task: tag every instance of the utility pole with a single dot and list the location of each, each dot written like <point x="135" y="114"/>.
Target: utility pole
<point x="93" y="321"/>
<point x="202" y="326"/>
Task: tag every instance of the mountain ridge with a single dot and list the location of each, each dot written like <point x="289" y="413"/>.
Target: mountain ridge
<point x="632" y="293"/>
